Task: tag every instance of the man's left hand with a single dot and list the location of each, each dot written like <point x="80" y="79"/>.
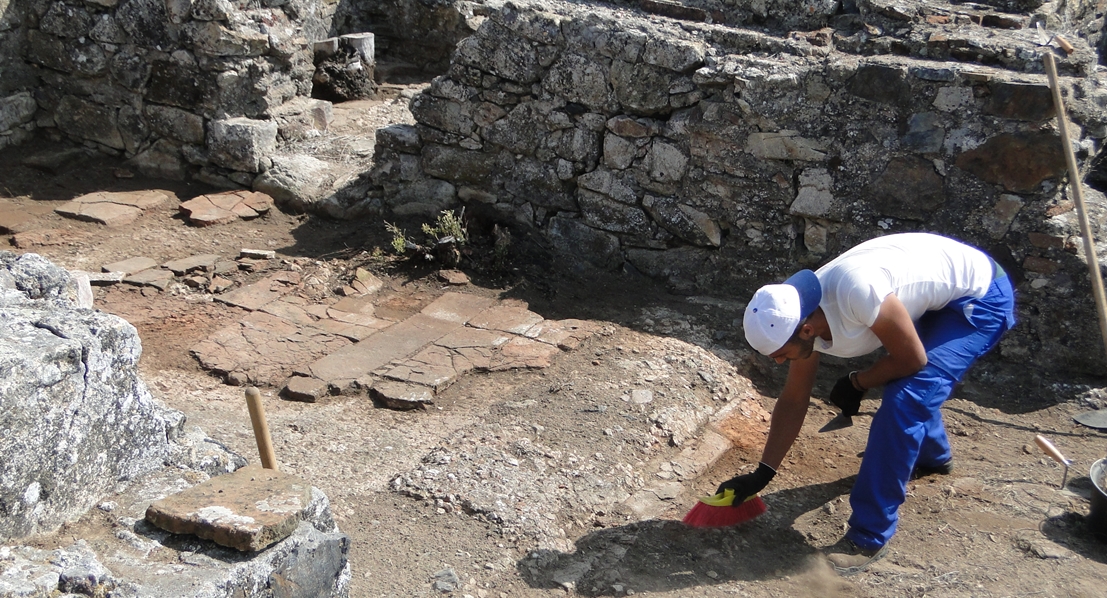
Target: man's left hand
<point x="846" y="397"/>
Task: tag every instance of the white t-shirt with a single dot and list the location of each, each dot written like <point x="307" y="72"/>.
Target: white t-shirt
<point x="925" y="271"/>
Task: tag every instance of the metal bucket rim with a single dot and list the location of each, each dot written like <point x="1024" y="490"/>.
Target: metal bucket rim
<point x="1096" y="473"/>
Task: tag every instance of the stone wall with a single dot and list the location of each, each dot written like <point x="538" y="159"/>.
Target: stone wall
<point x="720" y="158"/>
<point x="181" y="88"/>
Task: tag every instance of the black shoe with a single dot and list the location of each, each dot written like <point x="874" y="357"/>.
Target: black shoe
<point x="921" y="471"/>
<point x="848" y="558"/>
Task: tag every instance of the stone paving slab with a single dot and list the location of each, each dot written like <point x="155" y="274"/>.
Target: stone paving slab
<point x="112" y="208"/>
<point x="255" y="296"/>
<point x="457" y="307"/>
<point x="264" y="349"/>
<point x="395" y="342"/>
<point x="156" y="278"/>
<point x="14" y="220"/>
<point x="400" y="395"/>
<point x="513" y="317"/>
<point x="247" y="510"/>
<point x="45" y="238"/>
<point x="130" y="266"/>
<point x="523" y="353"/>
<point x="185" y="265"/>
<point x="435" y="367"/>
<point x="564" y="334"/>
<point x="220" y="208"/>
<point x="355" y="305"/>
<point x="108" y="214"/>
<point x="305" y="389"/>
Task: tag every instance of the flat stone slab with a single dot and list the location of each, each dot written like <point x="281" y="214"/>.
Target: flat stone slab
<point x="130" y="266"/>
<point x="220" y="208"/>
<point x="14" y="219"/>
<point x="511" y="317"/>
<point x="264" y="349"/>
<point x="247" y="510"/>
<point x="258" y="254"/>
<point x="434" y="367"/>
<point x="185" y="265"/>
<point x="108" y="214"/>
<point x="457" y="307"/>
<point x="399" y="395"/>
<point x="563" y="334"/>
<point x="112" y="208"/>
<point x="355" y="305"/>
<point x="143" y="200"/>
<point x="304" y="388"/>
<point x="523" y="353"/>
<point x="395" y="342"/>
<point x="255" y="296"/>
<point x="45" y="238"/>
<point x="156" y="278"/>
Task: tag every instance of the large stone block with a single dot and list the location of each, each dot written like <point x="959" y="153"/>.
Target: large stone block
<point x="16" y="110"/>
<point x="173" y="83"/>
<point x="497" y="51"/>
<point x="66" y="21"/>
<point x="583" y="245"/>
<point x="178" y="124"/>
<point x="241" y="143"/>
<point x="147" y="23"/>
<point x="87" y="120"/>
<point x="81" y="56"/>
<point x="1017" y="161"/>
<point x="77" y="419"/>
<point x="216" y="39"/>
<point x="641" y="88"/>
<point x="908" y="188"/>
<point x="296" y="182"/>
<point x="582" y="80"/>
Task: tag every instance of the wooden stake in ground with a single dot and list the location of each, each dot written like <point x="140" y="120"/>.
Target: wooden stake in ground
<point x="1077" y="191"/>
<point x="261" y="429"/>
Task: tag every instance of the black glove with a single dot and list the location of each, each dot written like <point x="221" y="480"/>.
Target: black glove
<point x="747" y="485"/>
<point x="846" y="397"/>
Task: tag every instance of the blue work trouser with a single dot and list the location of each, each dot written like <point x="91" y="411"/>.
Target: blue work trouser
<point x="907" y="429"/>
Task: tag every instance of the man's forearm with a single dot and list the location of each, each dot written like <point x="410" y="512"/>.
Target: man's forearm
<point x="788" y="416"/>
<point x="885" y="370"/>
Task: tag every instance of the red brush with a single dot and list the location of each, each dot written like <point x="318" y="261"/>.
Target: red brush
<point x="716" y="511"/>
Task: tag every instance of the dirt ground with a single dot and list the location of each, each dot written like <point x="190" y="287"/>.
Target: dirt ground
<point x="998" y="526"/>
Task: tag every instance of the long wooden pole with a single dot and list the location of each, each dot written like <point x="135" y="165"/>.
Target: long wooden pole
<point x="1077" y="190"/>
<point x="261" y="429"/>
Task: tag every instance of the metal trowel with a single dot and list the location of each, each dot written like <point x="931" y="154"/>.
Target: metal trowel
<point x="1093" y="419"/>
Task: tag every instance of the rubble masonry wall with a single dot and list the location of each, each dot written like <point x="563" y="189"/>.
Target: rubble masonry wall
<point x="719" y="159"/>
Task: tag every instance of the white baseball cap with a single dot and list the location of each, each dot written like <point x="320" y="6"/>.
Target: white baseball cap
<point x="776" y="310"/>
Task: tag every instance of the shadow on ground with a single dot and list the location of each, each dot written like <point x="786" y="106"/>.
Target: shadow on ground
<point x="657" y="556"/>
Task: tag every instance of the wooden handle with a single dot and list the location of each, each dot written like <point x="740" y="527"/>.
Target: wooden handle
<point x="261" y="429"/>
<point x="1078" y="197"/>
<point x="1051" y="450"/>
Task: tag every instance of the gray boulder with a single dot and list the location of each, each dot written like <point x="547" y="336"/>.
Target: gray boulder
<point x="77" y="420"/>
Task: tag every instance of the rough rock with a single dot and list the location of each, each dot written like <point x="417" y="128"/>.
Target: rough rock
<point x="296" y="183"/>
<point x="241" y="143"/>
<point x="78" y="418"/>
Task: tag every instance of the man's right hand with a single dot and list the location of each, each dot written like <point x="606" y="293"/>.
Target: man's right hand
<point x="748" y="485"/>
